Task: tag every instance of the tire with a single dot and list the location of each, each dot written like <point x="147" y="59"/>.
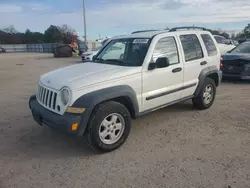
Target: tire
<point x="102" y="122"/>
<point x="202" y="102"/>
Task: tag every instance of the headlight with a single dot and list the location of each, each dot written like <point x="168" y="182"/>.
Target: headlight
<point x="65" y="96"/>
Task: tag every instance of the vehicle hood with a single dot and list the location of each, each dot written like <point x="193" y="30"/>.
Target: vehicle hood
<point x="236" y="56"/>
<point x="85" y="74"/>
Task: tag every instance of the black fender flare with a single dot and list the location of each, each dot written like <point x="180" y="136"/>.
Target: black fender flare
<point x="90" y="100"/>
<point x="205" y="73"/>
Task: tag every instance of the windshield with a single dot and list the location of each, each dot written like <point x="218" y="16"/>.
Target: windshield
<point x="124" y="52"/>
<point x="242" y="48"/>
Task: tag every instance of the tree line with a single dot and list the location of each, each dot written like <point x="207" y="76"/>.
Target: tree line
<point x="53" y="34"/>
<point x="65" y="34"/>
<point x="245" y="33"/>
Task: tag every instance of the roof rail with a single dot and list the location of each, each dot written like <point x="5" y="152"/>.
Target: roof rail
<point x="189" y="27"/>
<point x="143" y="31"/>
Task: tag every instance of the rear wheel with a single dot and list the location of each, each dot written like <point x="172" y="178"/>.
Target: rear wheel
<point x="206" y="97"/>
<point x="109" y="126"/>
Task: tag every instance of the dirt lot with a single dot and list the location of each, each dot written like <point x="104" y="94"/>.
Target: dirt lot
<point x="174" y="147"/>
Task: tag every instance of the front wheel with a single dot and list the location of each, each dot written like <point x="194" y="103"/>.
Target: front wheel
<point x="206" y="97"/>
<point x="109" y="126"/>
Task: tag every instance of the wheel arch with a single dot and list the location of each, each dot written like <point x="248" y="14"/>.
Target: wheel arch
<point x="210" y="72"/>
<point x="123" y="94"/>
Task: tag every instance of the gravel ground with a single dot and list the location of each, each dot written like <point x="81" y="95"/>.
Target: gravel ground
<point x="175" y="147"/>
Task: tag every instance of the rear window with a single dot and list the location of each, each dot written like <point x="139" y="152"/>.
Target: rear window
<point x="242" y="48"/>
<point x="209" y="44"/>
<point x="220" y="40"/>
<point x="191" y="47"/>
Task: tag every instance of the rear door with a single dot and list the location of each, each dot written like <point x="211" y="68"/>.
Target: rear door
<point x="213" y="54"/>
<point x="193" y="62"/>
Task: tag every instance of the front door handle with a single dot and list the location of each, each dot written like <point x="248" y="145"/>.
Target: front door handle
<point x="203" y="63"/>
<point x="177" y="70"/>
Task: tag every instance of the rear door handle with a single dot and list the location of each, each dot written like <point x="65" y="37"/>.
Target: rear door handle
<point x="203" y="63"/>
<point x="177" y="70"/>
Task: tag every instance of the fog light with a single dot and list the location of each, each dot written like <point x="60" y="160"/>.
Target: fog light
<point x="74" y="127"/>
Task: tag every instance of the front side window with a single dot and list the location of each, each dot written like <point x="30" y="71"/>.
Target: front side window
<point x="191" y="47"/>
<point x="242" y="48"/>
<point x="166" y="47"/>
<point x="209" y="44"/>
<point x="124" y="52"/>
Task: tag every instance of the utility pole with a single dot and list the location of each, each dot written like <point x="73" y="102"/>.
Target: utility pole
<point x="85" y="25"/>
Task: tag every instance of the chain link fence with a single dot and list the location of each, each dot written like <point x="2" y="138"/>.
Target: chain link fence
<point x="42" y="48"/>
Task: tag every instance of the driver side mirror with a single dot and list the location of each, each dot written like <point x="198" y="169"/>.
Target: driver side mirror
<point x="161" y="62"/>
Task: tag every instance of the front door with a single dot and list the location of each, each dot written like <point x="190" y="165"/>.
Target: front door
<point x="162" y="86"/>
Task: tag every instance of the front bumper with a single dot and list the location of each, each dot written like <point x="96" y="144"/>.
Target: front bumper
<point x="85" y="58"/>
<point x="60" y="122"/>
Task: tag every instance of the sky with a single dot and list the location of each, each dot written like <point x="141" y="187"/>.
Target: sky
<point x="117" y="17"/>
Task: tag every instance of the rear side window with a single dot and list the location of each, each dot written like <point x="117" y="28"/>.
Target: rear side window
<point x="166" y="47"/>
<point x="209" y="43"/>
<point x="191" y="47"/>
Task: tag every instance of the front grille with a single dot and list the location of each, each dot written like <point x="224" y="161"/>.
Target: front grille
<point x="46" y="97"/>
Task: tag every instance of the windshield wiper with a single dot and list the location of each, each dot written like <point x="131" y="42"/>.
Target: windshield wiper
<point x="99" y="59"/>
<point x="115" y="60"/>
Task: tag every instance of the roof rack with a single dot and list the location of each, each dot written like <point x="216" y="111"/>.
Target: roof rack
<point x="186" y="28"/>
<point x="143" y="31"/>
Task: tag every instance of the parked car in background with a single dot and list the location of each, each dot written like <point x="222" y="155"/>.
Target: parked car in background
<point x="233" y="42"/>
<point x="90" y="53"/>
<point x="82" y="47"/>
<point x="223" y="44"/>
<point x="2" y="49"/>
<point x="64" y="50"/>
<point x="241" y="40"/>
<point x="236" y="63"/>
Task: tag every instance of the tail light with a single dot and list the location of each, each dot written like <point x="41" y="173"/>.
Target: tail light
<point x="221" y="65"/>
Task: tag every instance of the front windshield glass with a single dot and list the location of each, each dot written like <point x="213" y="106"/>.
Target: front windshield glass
<point x="242" y="48"/>
<point x="124" y="52"/>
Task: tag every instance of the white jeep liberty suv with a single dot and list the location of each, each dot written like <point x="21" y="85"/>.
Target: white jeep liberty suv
<point x="131" y="76"/>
